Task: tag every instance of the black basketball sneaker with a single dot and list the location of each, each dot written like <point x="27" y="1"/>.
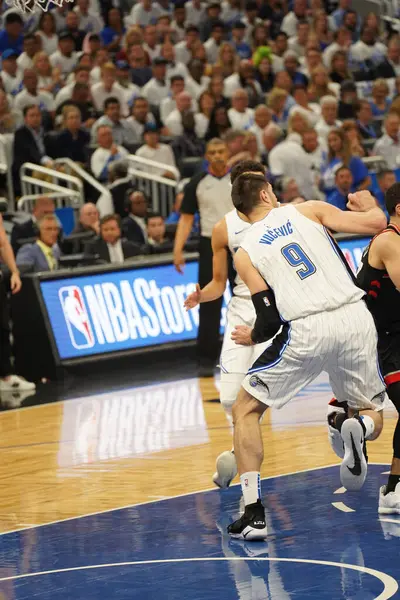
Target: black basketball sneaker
<point x="251" y="525"/>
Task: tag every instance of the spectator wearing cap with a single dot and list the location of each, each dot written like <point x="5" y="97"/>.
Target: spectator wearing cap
<point x="32" y="45"/>
<point x="150" y="44"/>
<point x="299" y="13"/>
<point x="244" y="79"/>
<point x="11" y="37"/>
<point x="109" y="88"/>
<point x="72" y="26"/>
<point x="89" y="21"/>
<point x="106" y="153"/>
<point x="291" y="65"/>
<point x="262" y="118"/>
<point x="153" y="150"/>
<point x="65" y="57"/>
<point x="388" y="145"/>
<point x="10" y="74"/>
<point x="240" y="115"/>
<point x="348" y="100"/>
<point x="183" y="50"/>
<point x="343" y="187"/>
<point x="364" y="121"/>
<point x="122" y="131"/>
<point x="328" y="119"/>
<point x="123" y="75"/>
<point x="214" y="41"/>
<point x="213" y="15"/>
<point x="241" y="47"/>
<point x="145" y="12"/>
<point x="30" y="95"/>
<point x="157" y="88"/>
<point x="298" y="42"/>
<point x="177" y="86"/>
<point x="112" y="34"/>
<point x="178" y="22"/>
<point x="140" y="117"/>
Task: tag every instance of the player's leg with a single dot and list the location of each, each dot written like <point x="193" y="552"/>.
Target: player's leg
<point x="389" y="495"/>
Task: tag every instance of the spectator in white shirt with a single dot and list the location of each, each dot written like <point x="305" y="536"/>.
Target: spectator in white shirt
<point x="123" y="134"/>
<point x="174" y="119"/>
<point x="89" y="21"/>
<point x="47" y="31"/>
<point x="173" y="67"/>
<point x="157" y="88"/>
<point x="196" y="82"/>
<point x="214" y="42"/>
<point x="131" y="91"/>
<point x="195" y="12"/>
<point x="108" y="88"/>
<point x="106" y="153"/>
<point x="65" y="57"/>
<point x="342" y="42"/>
<point x="328" y="119"/>
<point x="140" y="117"/>
<point x="388" y="145"/>
<point x="281" y="46"/>
<point x="177" y="84"/>
<point x="10" y="74"/>
<point x="311" y="110"/>
<point x="311" y="60"/>
<point x="299" y="12"/>
<point x="183" y="50"/>
<point x="144" y="13"/>
<point x="31" y="47"/>
<point x="178" y="23"/>
<point x="153" y="150"/>
<point x="31" y="96"/>
<point x="230" y="11"/>
<point x="240" y="115"/>
<point x="367" y="48"/>
<point x="81" y="75"/>
<point x="150" y="44"/>
<point x="202" y="118"/>
<point x="298" y="42"/>
<point x="262" y="118"/>
<point x="316" y="152"/>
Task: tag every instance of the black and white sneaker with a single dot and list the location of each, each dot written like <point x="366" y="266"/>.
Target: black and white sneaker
<point x="353" y="469"/>
<point x="251" y="525"/>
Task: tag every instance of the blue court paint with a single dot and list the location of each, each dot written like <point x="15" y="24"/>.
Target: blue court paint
<point x="179" y="549"/>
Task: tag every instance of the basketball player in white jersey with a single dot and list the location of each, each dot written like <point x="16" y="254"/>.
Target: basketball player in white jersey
<point x="235" y="359"/>
<point x="291" y="266"/>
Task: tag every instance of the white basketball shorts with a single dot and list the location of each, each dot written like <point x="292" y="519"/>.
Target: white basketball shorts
<point x="342" y="342"/>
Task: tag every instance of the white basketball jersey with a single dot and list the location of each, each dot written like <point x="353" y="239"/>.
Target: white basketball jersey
<point x="300" y="262"/>
<point x="237" y="229"/>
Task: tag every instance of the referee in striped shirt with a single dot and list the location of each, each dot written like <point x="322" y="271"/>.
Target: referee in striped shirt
<point x="208" y="193"/>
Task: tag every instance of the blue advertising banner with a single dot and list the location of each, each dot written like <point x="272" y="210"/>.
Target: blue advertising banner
<point x="133" y="308"/>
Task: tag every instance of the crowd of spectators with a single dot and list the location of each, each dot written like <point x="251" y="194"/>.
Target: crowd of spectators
<point x="309" y="87"/>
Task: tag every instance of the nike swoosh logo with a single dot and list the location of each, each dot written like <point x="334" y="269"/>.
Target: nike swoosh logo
<point x="356" y="470"/>
<point x="237" y="232"/>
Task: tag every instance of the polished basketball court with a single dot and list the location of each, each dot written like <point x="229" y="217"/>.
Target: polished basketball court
<point x="108" y="495"/>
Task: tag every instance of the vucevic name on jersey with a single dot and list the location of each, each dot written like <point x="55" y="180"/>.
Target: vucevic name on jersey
<point x="382" y="295"/>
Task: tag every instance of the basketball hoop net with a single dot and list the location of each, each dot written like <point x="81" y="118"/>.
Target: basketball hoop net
<point x="28" y="6"/>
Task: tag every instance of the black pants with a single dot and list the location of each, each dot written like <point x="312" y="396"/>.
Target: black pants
<point x="5" y="345"/>
<point x="208" y="337"/>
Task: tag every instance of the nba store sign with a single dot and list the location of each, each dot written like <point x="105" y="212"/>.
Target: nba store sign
<point x="122" y="310"/>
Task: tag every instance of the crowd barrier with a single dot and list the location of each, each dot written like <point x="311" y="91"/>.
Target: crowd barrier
<point x="101" y="312"/>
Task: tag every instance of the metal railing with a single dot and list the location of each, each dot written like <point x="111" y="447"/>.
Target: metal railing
<point x="161" y="191"/>
<point x="38" y="181"/>
<point x="73" y="168"/>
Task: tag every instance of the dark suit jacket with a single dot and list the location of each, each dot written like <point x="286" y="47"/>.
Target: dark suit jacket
<point x="65" y="146"/>
<point x="118" y="192"/>
<point x="132" y="231"/>
<point x="25" y="150"/>
<point x="385" y="70"/>
<point x="100" y="247"/>
<point x="23" y="231"/>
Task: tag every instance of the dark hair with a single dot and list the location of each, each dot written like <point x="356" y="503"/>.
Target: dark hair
<point x="29" y="36"/>
<point x="26" y="109"/>
<point x="299" y="86"/>
<point x="79" y="87"/>
<point x="179" y="5"/>
<point x="246" y="166"/>
<point x="153" y="215"/>
<point x="246" y="191"/>
<point x="218" y="25"/>
<point x="111" y="100"/>
<point x="251" y="5"/>
<point x="381" y="174"/>
<point x="42" y="18"/>
<point x="392" y="198"/>
<point x="139" y="98"/>
<point x="280" y="33"/>
<point x="302" y="22"/>
<point x="94" y="37"/>
<point x="13" y="18"/>
<point x="176" y="78"/>
<point x="343" y="168"/>
<point x="213" y="130"/>
<point x="190" y="28"/>
<point x="108" y="218"/>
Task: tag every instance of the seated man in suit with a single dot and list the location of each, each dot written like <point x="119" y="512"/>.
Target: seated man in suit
<point x="29" y="229"/>
<point x="29" y="144"/>
<point x="157" y="240"/>
<point x="110" y="247"/>
<point x="44" y="254"/>
<point x="120" y="183"/>
<point x="134" y="225"/>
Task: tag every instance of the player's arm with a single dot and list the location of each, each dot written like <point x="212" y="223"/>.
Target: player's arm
<point x="268" y="321"/>
<point x="363" y="216"/>
<point x="216" y="287"/>
<point x="388" y="248"/>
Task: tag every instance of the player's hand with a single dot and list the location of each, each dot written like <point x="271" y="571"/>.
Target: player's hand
<point x="15" y="283"/>
<point x="361" y="201"/>
<point x="193" y="299"/>
<point x="179" y="262"/>
<point x="241" y="335"/>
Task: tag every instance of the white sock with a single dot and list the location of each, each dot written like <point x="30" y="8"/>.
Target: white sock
<point x="368" y="424"/>
<point x="251" y="487"/>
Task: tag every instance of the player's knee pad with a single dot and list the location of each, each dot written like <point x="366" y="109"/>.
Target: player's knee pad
<point x="229" y="389"/>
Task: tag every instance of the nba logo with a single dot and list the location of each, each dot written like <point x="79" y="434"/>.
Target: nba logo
<point x="76" y="317"/>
